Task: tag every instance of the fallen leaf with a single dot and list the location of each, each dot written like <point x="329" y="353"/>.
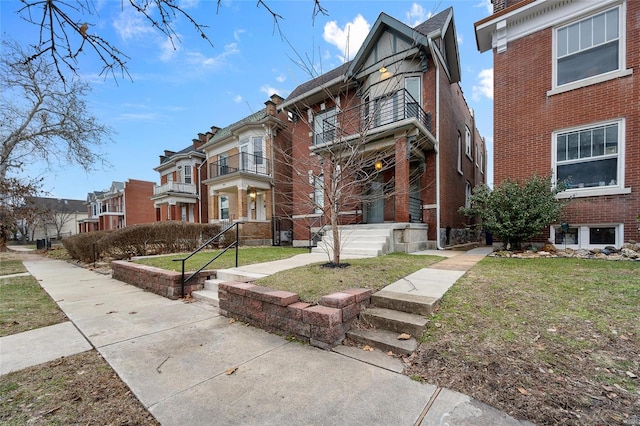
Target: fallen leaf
<point x="232" y="320"/>
<point x="623" y="337"/>
<point x="523" y="391"/>
<point x="231" y="371"/>
<point x="390" y="353"/>
<point x="404" y="336"/>
<point x="367" y="348"/>
<point x="438" y="325"/>
<point x="112" y="312"/>
<point x="630" y="374"/>
<point x="132" y="312"/>
<point x="551" y="330"/>
<point x="612" y="395"/>
<point x="607" y="388"/>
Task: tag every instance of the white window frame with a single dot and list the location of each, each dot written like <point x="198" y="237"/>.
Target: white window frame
<point x="622" y="53"/>
<point x="467" y="142"/>
<point x="584" y="235"/>
<point x="459" y="153"/>
<point x="616" y="189"/>
<point x="221" y="208"/>
<point x="467" y="195"/>
<point x="187" y="175"/>
<point x="318" y="193"/>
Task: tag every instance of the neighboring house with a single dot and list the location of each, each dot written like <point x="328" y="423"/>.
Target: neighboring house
<point x="401" y="100"/>
<point x="245" y="164"/>
<point x="123" y="204"/>
<point x="566" y="104"/>
<point x="54" y="218"/>
<point x="182" y="194"/>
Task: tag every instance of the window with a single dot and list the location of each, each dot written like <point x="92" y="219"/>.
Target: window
<point x="568" y="237"/>
<point x="467" y="195"/>
<point x="257" y="150"/>
<point x="412" y="88"/>
<point x="318" y="193"/>
<point x="589" y="157"/>
<point x="602" y="235"/>
<point x="324" y="127"/>
<point x="223" y="164"/>
<point x="170" y="177"/>
<point x="467" y="141"/>
<point x="481" y="160"/>
<point x="223" y="202"/>
<point x="589" y="47"/>
<point x="187" y="174"/>
<point x="459" y="153"/>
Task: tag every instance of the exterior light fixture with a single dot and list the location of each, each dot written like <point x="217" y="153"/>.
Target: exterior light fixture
<point x="383" y="70"/>
<point x="378" y="165"/>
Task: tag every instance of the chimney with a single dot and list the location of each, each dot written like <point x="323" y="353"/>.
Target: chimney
<point x="162" y="158"/>
<point x="168" y="153"/>
<point x="499" y="5"/>
<point x="214" y="130"/>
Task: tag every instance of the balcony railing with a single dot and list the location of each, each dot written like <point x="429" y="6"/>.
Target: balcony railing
<point x="366" y="117"/>
<point x="110" y="209"/>
<point x="242" y="162"/>
<point x="184" y="188"/>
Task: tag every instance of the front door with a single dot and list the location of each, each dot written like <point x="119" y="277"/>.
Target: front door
<point x="375" y="205"/>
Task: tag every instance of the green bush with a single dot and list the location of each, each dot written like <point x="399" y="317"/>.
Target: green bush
<point x="516" y="212"/>
<point x="140" y="240"/>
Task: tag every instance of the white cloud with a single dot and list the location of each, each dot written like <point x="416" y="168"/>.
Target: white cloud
<point x="168" y="49"/>
<point x="188" y="4"/>
<point x="269" y="90"/>
<point x="237" y="99"/>
<point x="417" y="15"/>
<point x="198" y="59"/>
<point x="486" y="4"/>
<point x="484" y="86"/>
<point x="281" y="78"/>
<point x="348" y="39"/>
<point x="460" y="39"/>
<point x="237" y="33"/>
<point x="131" y="24"/>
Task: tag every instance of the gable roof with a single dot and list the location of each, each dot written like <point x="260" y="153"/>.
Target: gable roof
<point x="440" y="25"/>
<point x="58" y="205"/>
<point x="225" y="132"/>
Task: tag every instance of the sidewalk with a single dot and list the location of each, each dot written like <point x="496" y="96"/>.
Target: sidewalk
<point x="174" y="357"/>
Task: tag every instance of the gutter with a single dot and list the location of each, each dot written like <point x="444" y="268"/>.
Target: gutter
<point x="437" y="147"/>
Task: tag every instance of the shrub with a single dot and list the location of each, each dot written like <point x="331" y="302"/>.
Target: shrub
<point x="516" y="212"/>
<point x="140" y="240"/>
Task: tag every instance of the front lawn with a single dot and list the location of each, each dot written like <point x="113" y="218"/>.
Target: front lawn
<point x="314" y="281"/>
<point x="553" y="341"/>
<point x="246" y="256"/>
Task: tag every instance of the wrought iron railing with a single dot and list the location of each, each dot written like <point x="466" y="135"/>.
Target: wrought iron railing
<point x="369" y="115"/>
<point x="242" y="162"/>
<point x="217" y="237"/>
<point x="415" y="209"/>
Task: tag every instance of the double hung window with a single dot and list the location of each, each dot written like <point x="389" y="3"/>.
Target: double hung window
<point x="589" y="157"/>
<point x="589" y="47"/>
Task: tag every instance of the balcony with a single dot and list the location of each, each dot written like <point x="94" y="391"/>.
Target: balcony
<point x="175" y="187"/>
<point x="370" y="117"/>
<point x="242" y="162"/>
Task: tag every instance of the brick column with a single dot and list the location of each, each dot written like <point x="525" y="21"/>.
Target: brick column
<point x="402" y="181"/>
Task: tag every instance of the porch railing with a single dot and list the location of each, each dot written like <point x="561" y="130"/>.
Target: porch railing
<point x="369" y="115"/>
<point x="242" y="162"/>
<point x="187" y="188"/>
<point x="234" y="243"/>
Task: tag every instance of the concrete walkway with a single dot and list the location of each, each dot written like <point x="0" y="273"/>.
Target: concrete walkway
<point x="175" y="357"/>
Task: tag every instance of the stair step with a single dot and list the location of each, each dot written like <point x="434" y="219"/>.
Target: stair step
<point x="397" y="321"/>
<point x="212" y="284"/>
<point x="226" y="275"/>
<point x="384" y="340"/>
<point x="411" y="303"/>
<point x="368" y="252"/>
<point x="206" y="296"/>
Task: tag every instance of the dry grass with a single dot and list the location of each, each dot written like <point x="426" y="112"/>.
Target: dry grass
<point x="553" y="341"/>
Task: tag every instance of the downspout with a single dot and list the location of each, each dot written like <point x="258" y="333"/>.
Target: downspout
<point x="437" y="147"/>
<point x="273" y="186"/>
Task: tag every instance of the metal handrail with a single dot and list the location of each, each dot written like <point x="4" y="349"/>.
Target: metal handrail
<point x="209" y="241"/>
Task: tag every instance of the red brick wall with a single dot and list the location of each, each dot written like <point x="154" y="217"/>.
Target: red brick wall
<point x="138" y="205"/>
<point x="525" y="117"/>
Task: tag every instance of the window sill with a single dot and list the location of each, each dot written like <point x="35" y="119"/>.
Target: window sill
<point x="590" y="81"/>
<point x="592" y="192"/>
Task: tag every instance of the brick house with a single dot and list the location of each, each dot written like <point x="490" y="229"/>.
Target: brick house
<point x="398" y="104"/>
<point x="182" y="195"/>
<point x="566" y="104"/>
<point x="123" y="204"/>
<point x="244" y="166"/>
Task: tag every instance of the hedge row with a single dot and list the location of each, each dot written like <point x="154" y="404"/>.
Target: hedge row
<point x="139" y="240"/>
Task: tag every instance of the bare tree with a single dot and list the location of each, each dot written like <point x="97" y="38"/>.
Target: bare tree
<point x="56" y="214"/>
<point x="65" y="29"/>
<point x="42" y="118"/>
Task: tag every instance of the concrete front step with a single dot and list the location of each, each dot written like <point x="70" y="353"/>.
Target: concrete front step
<point x="350" y="251"/>
<point x="225" y="275"/>
<point x="396" y="321"/>
<point x="384" y="340"/>
<point x="411" y="303"/>
<point x="206" y="296"/>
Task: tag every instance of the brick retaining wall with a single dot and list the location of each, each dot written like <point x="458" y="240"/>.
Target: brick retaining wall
<point x="323" y="325"/>
<point x="157" y="280"/>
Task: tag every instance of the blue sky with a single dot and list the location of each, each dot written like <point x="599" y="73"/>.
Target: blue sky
<point x="179" y="92"/>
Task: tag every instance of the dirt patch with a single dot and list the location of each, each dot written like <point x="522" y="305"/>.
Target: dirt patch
<point x="81" y="389"/>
